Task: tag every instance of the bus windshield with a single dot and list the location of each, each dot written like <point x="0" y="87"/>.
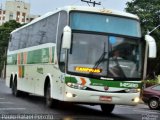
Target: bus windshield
<point x="105" y="23"/>
<point x="105" y="56"/>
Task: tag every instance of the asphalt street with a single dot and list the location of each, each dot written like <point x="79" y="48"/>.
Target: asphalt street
<point x="33" y="107"/>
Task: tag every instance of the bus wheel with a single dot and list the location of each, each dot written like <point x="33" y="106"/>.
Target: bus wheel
<point x="107" y="108"/>
<point x="15" y="92"/>
<point x="51" y="103"/>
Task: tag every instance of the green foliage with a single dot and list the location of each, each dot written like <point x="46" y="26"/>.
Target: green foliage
<point x="150" y="82"/>
<point x="5" y="31"/>
<point x="149" y="14"/>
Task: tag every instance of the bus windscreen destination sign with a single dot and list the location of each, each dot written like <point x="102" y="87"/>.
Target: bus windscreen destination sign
<point x="88" y="70"/>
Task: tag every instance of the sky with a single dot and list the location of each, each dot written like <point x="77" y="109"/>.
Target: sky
<point x="40" y="7"/>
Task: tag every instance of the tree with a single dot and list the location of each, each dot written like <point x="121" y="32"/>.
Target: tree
<point x="5" y="31"/>
<point x="149" y="14"/>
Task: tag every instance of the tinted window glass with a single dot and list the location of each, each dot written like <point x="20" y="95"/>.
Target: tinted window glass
<point x="156" y="87"/>
<point x="84" y="53"/>
<point x="44" y="31"/>
<point x="105" y="23"/>
<point x="124" y="57"/>
<point x="35" y="34"/>
<point x="103" y="55"/>
<point x="14" y="45"/>
<point x="51" y="29"/>
<point x="23" y="38"/>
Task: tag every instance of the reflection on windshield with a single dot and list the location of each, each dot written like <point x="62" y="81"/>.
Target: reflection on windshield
<point x="124" y="60"/>
<point x="106" y="56"/>
<point x="86" y="51"/>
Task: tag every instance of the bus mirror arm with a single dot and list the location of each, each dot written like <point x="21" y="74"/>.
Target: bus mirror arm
<point x="150" y="42"/>
<point x="66" y="39"/>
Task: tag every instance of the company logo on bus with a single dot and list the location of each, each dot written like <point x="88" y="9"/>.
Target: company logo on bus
<point x="129" y="85"/>
<point x="89" y="70"/>
<point x="106" y="88"/>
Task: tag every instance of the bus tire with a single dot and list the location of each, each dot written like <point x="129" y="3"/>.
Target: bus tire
<point x="12" y="87"/>
<point x="107" y="108"/>
<point x="51" y="103"/>
<point x="11" y="81"/>
<point x="15" y="92"/>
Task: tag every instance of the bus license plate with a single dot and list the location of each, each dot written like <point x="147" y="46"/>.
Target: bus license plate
<point x="105" y="98"/>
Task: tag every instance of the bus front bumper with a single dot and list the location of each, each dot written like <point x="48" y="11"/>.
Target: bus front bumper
<point x="94" y="97"/>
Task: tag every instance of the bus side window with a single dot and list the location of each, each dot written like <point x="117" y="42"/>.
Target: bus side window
<point x="51" y="31"/>
<point x="14" y="42"/>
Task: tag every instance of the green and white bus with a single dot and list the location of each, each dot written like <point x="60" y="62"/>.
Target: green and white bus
<point x="80" y="55"/>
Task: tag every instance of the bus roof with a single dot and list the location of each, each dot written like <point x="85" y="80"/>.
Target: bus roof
<point x="80" y="8"/>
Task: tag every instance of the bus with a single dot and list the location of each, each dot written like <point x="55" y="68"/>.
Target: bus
<point x="80" y="55"/>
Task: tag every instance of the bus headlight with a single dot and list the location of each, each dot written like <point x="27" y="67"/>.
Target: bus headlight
<point x="136" y="99"/>
<point x="133" y="90"/>
<point x="76" y="86"/>
<point x="70" y="95"/>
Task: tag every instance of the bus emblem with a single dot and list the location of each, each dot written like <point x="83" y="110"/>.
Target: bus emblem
<point x="106" y="88"/>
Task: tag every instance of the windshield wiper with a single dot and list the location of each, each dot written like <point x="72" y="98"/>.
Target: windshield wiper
<point x="102" y="57"/>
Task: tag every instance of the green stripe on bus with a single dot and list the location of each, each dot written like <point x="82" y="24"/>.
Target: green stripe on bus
<point x="33" y="57"/>
<point x="98" y="82"/>
<point x="120" y="84"/>
<point x="70" y="79"/>
<point x="38" y="56"/>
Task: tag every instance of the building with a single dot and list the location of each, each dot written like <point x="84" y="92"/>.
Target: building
<point x="31" y="17"/>
<point x="2" y="16"/>
<point x="16" y="10"/>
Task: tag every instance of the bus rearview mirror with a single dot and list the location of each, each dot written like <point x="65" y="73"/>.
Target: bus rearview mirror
<point x="152" y="46"/>
<point x="66" y="40"/>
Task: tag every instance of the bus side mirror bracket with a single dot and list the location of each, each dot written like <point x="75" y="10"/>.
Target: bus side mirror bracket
<point x="152" y="46"/>
<point x="66" y="39"/>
